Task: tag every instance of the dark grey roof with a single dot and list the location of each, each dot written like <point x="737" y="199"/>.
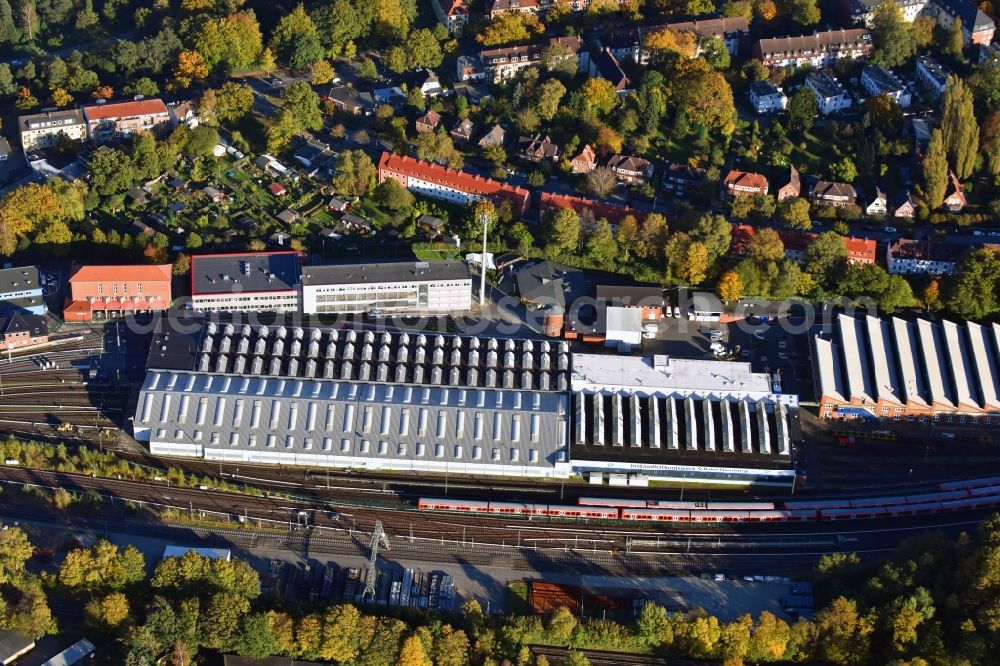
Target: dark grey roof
<point x="251" y="272"/>
<point x="23" y="322"/>
<point x="825" y="84"/>
<point x="408" y="271"/>
<point x="649" y="295"/>
<point x="13" y="644"/>
<point x="23" y="278"/>
<point x="550" y="284"/>
<point x="938" y="71"/>
<point x="51" y="119"/>
<point x="973" y="18"/>
<point x="883" y="79"/>
<point x="764" y="88"/>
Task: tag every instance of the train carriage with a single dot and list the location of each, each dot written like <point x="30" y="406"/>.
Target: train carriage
<point x="978" y="502"/>
<point x="817" y="504"/>
<point x="984" y="491"/>
<point x="670" y="504"/>
<point x="518" y="509"/>
<point x="868" y="502"/>
<point x="656" y="515"/>
<point x="913" y="509"/>
<point x="612" y="502"/>
<point x="853" y="514"/>
<point x="603" y="513"/>
<point x="970" y="483"/>
<point x="465" y="506"/>
<point x="708" y="516"/>
<point x="937" y="497"/>
<point x="740" y="506"/>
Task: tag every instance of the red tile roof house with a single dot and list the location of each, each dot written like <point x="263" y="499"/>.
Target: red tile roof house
<point x="438" y="182"/>
<point x="98" y="292"/>
<point x="585" y="162"/>
<point x="428" y="122"/>
<point x="613" y="213"/>
<point x="955" y="201"/>
<point x="859" y="250"/>
<point x="792" y="188"/>
<point x="117" y="121"/>
<point x="538" y="148"/>
<point x="277" y="189"/>
<point x="744" y="182"/>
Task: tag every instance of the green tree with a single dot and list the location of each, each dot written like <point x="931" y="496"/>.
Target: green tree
<point x="549" y="95"/>
<point x="233" y="101"/>
<point x="413" y="653"/>
<point x="805" y="12"/>
<point x="716" y="234"/>
<point x="202" y="141"/>
<point x="295" y="39"/>
<point x="825" y="257"/>
<point x="146" y="156"/>
<point x="111" y="172"/>
<point x="844" y="170"/>
<point x="893" y="37"/>
<point x="103" y="567"/>
<point x="451" y="648"/>
<point x="564" y="232"/>
<point x="108" y="612"/>
<point x="802" y="109"/>
<point x="974" y="291"/>
<point x="715" y="53"/>
<point x="423" y="49"/>
<point x="561" y="625"/>
<point x="341" y="633"/>
<point x="654" y="627"/>
<point x="935" y="167"/>
<point x="219" y="624"/>
<point x="955" y="42"/>
<point x="843" y="634"/>
<point x="355" y="173"/>
<point x="601" y="246"/>
<point x="15" y="550"/>
<point x="255" y="637"/>
<point x="959" y="129"/>
<point x="574" y="658"/>
<point x="795" y="213"/>
<point x="393" y="196"/>
<point x="301" y="101"/>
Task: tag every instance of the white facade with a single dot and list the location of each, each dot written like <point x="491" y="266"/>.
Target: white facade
<point x="831" y="97"/>
<point x="44" y="130"/>
<point x="388" y="297"/>
<point x="272" y="301"/>
<point x="767" y="101"/>
<point x="879" y="81"/>
<point x="933" y="76"/>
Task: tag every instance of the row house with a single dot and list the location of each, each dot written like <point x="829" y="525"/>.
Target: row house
<point x="878" y="80"/>
<point x="859" y="250"/>
<point x="453" y="14"/>
<point x="838" y="195"/>
<point x="584" y="207"/>
<point x="863" y="11"/>
<point x="744" y="182"/>
<point x="921" y="257"/>
<point x="98" y="292"/>
<point x="498" y="7"/>
<point x="732" y="30"/>
<point x="502" y="63"/>
<point x="469" y="68"/>
<point x="831" y="96"/>
<point x="820" y="49"/>
<point x="765" y="97"/>
<point x="21" y="329"/>
<point x="46" y="129"/>
<point x="932" y="75"/>
<point x="630" y="169"/>
<point x="118" y="121"/>
<point x="451" y="185"/>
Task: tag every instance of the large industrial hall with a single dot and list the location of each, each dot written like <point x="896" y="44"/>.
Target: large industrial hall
<point x="430" y="402"/>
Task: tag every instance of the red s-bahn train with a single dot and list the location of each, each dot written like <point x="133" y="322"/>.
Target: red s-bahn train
<point x="953" y="496"/>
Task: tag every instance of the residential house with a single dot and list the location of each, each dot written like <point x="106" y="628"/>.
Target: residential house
<point x="919" y="129"/>
<point x="349" y="100"/>
<point x="605" y="65"/>
<point x="859" y="250"/>
<point x="4" y="149"/>
<point x="765" y="97"/>
<point x="584" y="207"/>
<point x="454" y="14"/>
<point x="538" y="148"/>
<point x="433" y="226"/>
<point x="46" y="129"/>
<point x="277" y="189"/>
<point x="977" y="27"/>
<point x="744" y="182"/>
<point x="185" y="112"/>
<point x="462" y="132"/>
<point x="838" y="195"/>
<point x="901" y="205"/>
<point x="498" y="7"/>
<point x="879" y="204"/>
<point x="97" y="292"/>
<point x="878" y="81"/>
<point x="469" y="68"/>
<point x="585" y="162"/>
<point x="338" y="205"/>
<point x="271" y="166"/>
<point x="430" y="84"/>
<point x="289" y="215"/>
<point x="932" y="75"/>
<point x="497" y="136"/>
<point x="428" y="122"/>
<point x="21" y="290"/>
<point x="473" y="91"/>
<point x="213" y="194"/>
<point x="922" y="257"/>
<point x="22" y="329"/>
<point x="118" y="121"/>
<point x="450" y="185"/>
<point x="732" y="30"/>
<point x="315" y="156"/>
<point x="955" y="200"/>
<point x="630" y="169"/>
<point x="681" y="177"/>
<point x="863" y="11"/>
<point x="821" y="49"/>
<point x="504" y="62"/>
<point x="391" y="95"/>
<point x="831" y="97"/>
<point x="792" y="187"/>
<point x="137" y="196"/>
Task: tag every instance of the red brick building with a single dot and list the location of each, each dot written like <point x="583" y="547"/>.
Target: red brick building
<point x="613" y="213"/>
<point x="112" y="122"/>
<point x="20" y="329"/>
<point x="438" y="182"/>
<point x="99" y="292"/>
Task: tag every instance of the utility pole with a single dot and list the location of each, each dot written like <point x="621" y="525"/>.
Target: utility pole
<point x="484" y="218"/>
<point x="378" y="539"/>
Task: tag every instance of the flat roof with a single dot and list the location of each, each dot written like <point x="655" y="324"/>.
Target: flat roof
<point x="247" y="273"/>
<point x="664" y="375"/>
<point x="403" y="271"/>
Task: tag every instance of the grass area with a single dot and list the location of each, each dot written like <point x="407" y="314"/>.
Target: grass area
<point x="813" y="152"/>
<point x="516" y="598"/>
<point x="435" y="251"/>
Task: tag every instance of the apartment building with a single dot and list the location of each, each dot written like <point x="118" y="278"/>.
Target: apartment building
<point x="117" y="121"/>
<point x="46" y="129"/>
<point x="246" y="282"/>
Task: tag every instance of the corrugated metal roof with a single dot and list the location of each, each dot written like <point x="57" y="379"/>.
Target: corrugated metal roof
<point x="984" y="348"/>
<point x="932" y="354"/>
<point x="859" y="383"/>
<point x="959" y="365"/>
<point x="913" y="387"/>
<point x="828" y="365"/>
<point x="883" y="359"/>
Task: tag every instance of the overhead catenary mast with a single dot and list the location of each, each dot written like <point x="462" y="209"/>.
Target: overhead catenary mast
<point x="379" y="538"/>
